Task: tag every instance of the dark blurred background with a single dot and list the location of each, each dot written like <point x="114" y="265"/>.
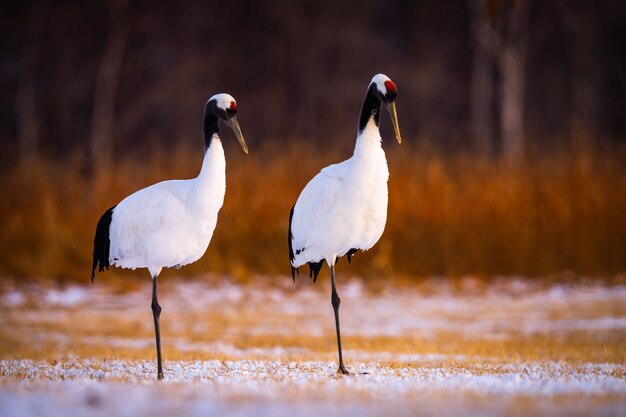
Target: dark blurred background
<point x="138" y="72"/>
<point x="89" y="87"/>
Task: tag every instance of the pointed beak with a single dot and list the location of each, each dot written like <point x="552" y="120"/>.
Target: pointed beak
<point x="234" y="124"/>
<point x="391" y="107"/>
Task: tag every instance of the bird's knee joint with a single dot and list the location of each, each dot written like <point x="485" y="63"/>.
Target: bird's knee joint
<point x="156" y="308"/>
<point x="335" y="300"/>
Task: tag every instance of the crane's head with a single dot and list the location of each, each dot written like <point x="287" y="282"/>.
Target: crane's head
<point x="387" y="93"/>
<point x="224" y="107"/>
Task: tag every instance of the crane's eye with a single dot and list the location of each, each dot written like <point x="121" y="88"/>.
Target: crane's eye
<point x="232" y="110"/>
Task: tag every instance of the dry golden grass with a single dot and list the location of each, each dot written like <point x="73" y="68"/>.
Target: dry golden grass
<point x="447" y="215"/>
<point x="577" y="347"/>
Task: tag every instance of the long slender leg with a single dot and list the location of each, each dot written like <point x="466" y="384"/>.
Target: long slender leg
<point x="156" y="313"/>
<point x="336" y="301"/>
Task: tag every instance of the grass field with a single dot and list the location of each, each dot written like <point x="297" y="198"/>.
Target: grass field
<point x="448" y="215"/>
<point x="247" y="341"/>
<point x="443" y="347"/>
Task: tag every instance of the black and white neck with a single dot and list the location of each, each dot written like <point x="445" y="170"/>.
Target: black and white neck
<point x="371" y="108"/>
<point x="380" y="91"/>
<point x="220" y="106"/>
<point x="211" y="128"/>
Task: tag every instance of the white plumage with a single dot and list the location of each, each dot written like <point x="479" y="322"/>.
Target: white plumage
<point x="169" y="224"/>
<point x="344" y="206"/>
<point x="343" y="209"/>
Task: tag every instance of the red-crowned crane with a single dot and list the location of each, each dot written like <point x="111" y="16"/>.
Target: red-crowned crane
<point x="169" y="224"/>
<point x="343" y="209"/>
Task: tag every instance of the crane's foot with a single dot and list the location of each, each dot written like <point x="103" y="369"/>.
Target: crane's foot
<point x="342" y="370"/>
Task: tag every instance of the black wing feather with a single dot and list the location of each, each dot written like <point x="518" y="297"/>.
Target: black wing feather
<point x="350" y="253"/>
<point x="102" y="244"/>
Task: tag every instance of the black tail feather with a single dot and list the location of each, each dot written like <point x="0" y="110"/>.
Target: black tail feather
<point x="291" y="255"/>
<point x="314" y="269"/>
<point x="102" y="244"/>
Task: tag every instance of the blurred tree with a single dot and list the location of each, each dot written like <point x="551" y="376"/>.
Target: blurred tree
<point x="513" y="28"/>
<point x="27" y="111"/>
<point x="482" y="81"/>
<point x="106" y="85"/>
<point x="297" y="67"/>
<point x="581" y="25"/>
<point x="502" y="31"/>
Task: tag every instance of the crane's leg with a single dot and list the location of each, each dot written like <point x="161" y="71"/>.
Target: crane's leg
<point x="336" y="301"/>
<point x="156" y="313"/>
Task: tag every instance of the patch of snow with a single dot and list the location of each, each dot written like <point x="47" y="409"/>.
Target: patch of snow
<point x="532" y="379"/>
<point x="13" y="298"/>
<point x="254" y="387"/>
<point x="68" y="297"/>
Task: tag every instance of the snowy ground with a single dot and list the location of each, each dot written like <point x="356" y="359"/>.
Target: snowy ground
<point x="513" y="347"/>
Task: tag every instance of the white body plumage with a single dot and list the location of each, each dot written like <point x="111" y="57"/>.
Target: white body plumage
<point x="170" y="224"/>
<point x="343" y="207"/>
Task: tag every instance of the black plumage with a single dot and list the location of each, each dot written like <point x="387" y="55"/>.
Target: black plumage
<point x="102" y="244"/>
